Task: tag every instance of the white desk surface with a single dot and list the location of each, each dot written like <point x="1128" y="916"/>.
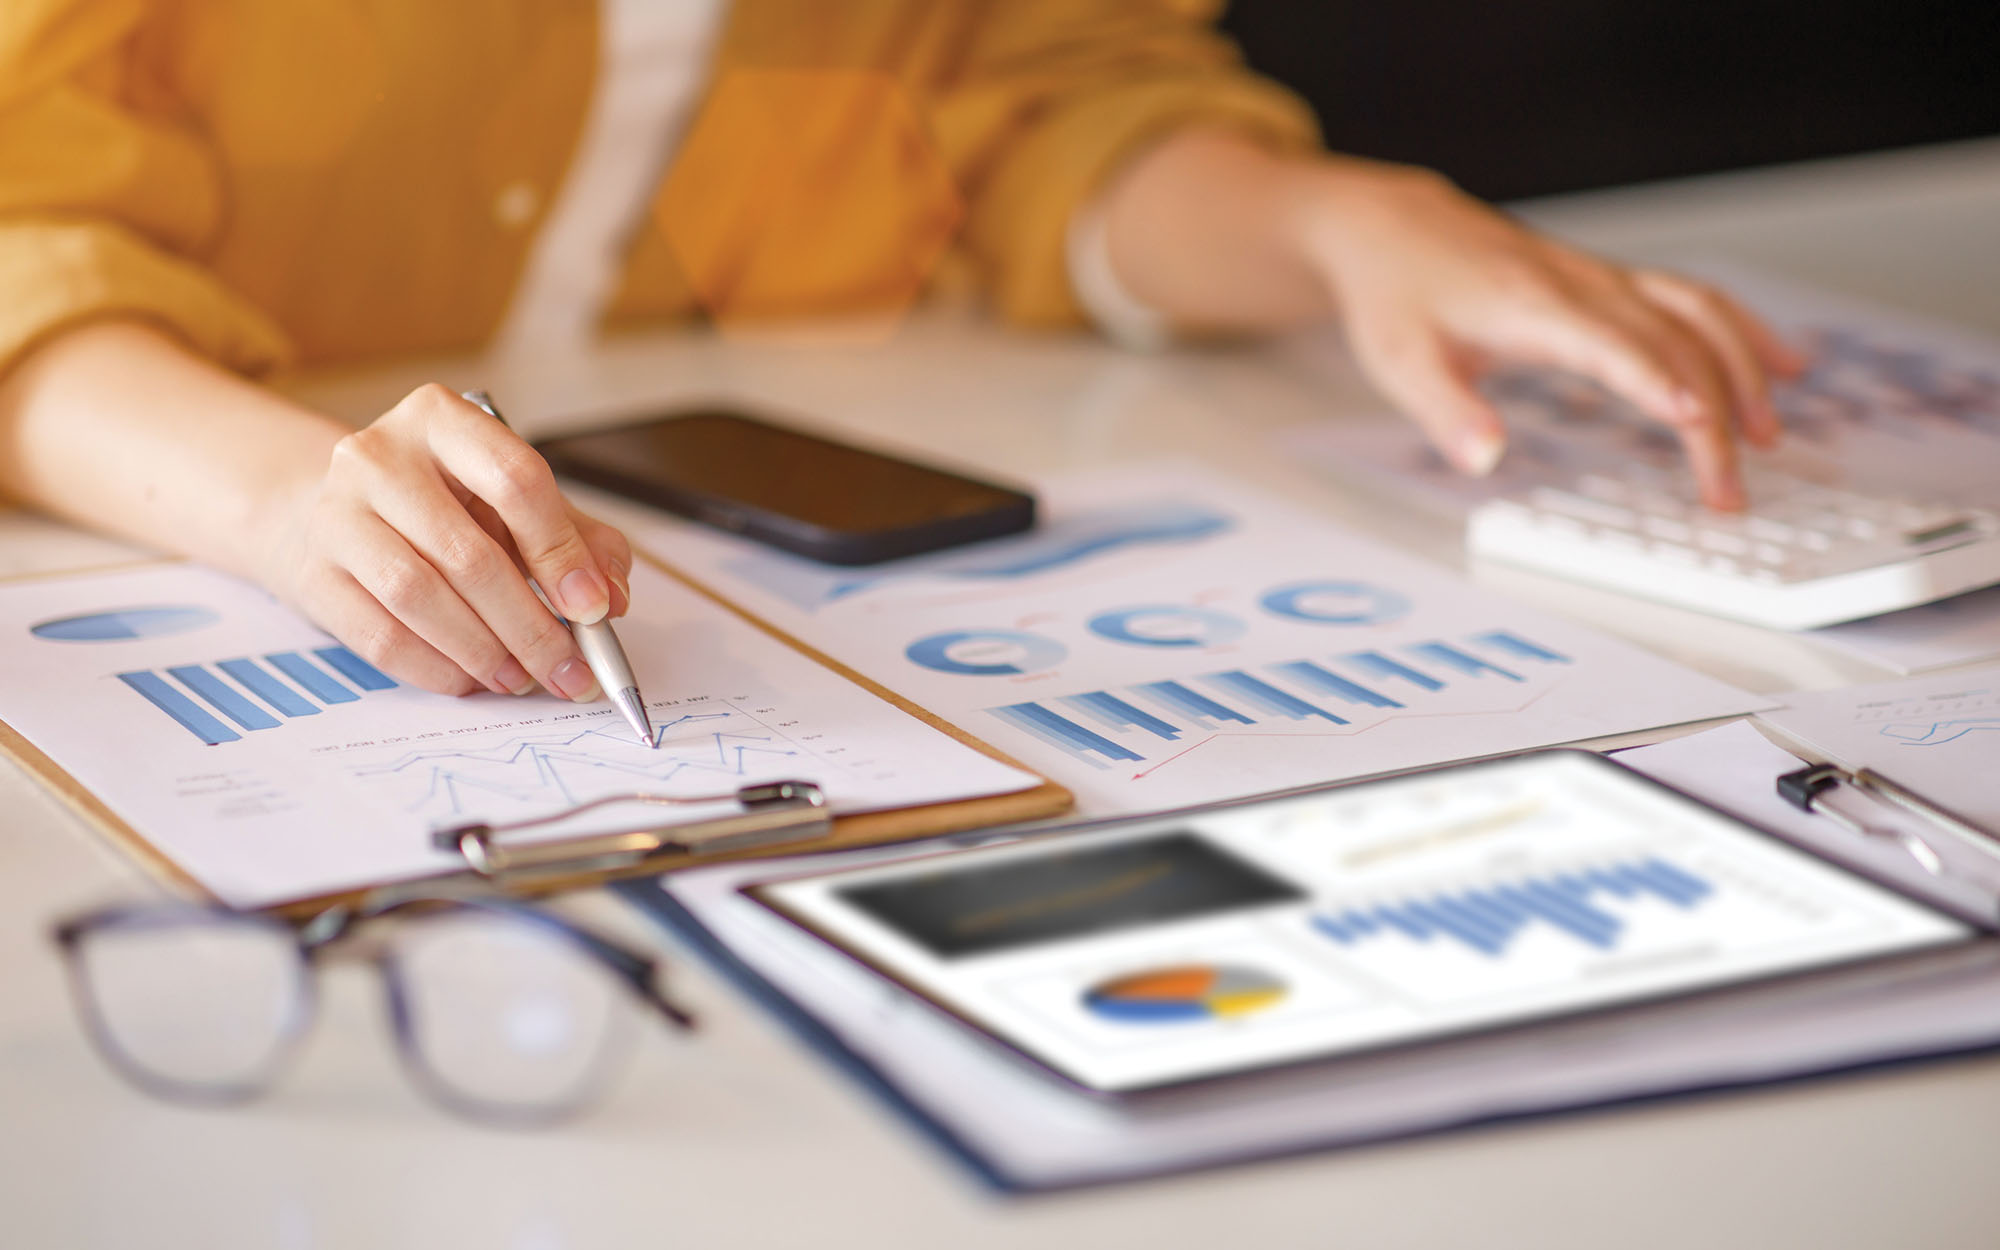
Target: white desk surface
<point x="738" y="1138"/>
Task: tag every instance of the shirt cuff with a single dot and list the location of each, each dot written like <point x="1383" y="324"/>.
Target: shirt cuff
<point x="1118" y="314"/>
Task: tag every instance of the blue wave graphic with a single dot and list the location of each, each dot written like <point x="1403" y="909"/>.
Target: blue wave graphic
<point x="810" y="585"/>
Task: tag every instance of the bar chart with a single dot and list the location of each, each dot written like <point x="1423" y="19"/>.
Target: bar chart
<point x="255" y="696"/>
<point x="1585" y="905"/>
<point x="1135" y="724"/>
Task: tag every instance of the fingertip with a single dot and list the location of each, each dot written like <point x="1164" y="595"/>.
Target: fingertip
<point x="1477" y="451"/>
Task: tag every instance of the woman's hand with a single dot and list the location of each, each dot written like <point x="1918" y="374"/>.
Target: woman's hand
<point x="416" y="545"/>
<point x="1435" y="287"/>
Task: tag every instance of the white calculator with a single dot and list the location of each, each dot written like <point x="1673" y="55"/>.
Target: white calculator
<point x="1805" y="555"/>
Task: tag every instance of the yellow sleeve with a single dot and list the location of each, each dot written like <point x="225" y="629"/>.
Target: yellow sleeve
<point x="1055" y="96"/>
<point x="106" y="201"/>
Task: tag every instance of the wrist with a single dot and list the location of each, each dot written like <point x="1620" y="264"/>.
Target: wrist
<point x="1340" y="209"/>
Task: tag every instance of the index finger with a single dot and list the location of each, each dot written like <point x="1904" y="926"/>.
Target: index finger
<point x="500" y="468"/>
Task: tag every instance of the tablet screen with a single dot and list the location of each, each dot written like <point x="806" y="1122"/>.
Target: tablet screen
<point x="1160" y="952"/>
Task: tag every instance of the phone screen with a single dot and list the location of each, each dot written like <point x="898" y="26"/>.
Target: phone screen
<point x="706" y="460"/>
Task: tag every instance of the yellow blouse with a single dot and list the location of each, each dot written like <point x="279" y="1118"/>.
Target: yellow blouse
<point x="326" y="180"/>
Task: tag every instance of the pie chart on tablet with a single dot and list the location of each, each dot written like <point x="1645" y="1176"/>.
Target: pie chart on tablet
<point x="1184" y="993"/>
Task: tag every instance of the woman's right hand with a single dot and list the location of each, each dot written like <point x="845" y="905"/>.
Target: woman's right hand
<point x="416" y="545"/>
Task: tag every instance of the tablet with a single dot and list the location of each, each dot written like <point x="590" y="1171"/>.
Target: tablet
<point x="1145" y="954"/>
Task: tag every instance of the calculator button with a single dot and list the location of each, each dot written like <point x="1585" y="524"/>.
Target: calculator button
<point x="1725" y="542"/>
<point x="1561" y="501"/>
<point x="1669" y="529"/>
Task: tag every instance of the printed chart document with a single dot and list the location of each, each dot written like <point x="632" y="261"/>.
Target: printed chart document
<point x="272" y="764"/>
<point x="1168" y="638"/>
<point x="1888" y="404"/>
<point x="1937" y="735"/>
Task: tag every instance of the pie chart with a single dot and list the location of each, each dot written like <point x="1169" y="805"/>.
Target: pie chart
<point x="125" y="624"/>
<point x="1184" y="993"/>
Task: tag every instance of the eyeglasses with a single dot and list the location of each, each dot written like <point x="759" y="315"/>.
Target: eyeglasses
<point x="501" y="1012"/>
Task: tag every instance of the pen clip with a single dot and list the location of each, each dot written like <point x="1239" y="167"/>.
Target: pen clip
<point x="775" y="813"/>
<point x="1805" y="788"/>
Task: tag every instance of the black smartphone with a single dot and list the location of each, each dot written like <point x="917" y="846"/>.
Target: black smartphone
<point x="796" y="491"/>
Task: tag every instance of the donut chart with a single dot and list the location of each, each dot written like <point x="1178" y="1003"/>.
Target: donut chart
<point x="986" y="652"/>
<point x="1335" y="603"/>
<point x="1184" y="994"/>
<point x="1167" y="625"/>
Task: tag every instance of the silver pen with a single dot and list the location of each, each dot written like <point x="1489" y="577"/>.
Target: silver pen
<point x="600" y="646"/>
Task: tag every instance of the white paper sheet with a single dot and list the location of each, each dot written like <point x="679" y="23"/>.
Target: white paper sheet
<point x="1937" y="735"/>
<point x="1168" y="638"/>
<point x="1944" y="634"/>
<point x="272" y="764"/>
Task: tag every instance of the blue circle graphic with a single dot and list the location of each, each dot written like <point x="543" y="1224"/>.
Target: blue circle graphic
<point x="1167" y="625"/>
<point x="986" y="652"/>
<point x="125" y="624"/>
<point x="1335" y="603"/>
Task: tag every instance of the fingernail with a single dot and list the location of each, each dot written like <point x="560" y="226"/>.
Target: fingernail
<point x="512" y="678"/>
<point x="584" y="596"/>
<point x="1478" y="452"/>
<point x="572" y="680"/>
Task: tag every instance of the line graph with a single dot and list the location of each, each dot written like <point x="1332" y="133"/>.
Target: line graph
<point x="509" y="773"/>
<point x="1937" y="733"/>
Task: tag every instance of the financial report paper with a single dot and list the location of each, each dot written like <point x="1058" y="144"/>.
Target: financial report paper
<point x="1167" y="637"/>
<point x="271" y="763"/>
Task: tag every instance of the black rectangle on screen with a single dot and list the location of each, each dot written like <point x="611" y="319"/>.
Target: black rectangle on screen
<point x="1066" y="894"/>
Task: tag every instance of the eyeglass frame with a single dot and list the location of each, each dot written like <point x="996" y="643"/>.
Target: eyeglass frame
<point x="637" y="971"/>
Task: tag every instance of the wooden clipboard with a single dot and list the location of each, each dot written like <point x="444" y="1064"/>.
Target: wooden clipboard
<point x="896" y="825"/>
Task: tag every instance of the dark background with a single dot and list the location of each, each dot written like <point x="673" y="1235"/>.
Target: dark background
<point x="1515" y="98"/>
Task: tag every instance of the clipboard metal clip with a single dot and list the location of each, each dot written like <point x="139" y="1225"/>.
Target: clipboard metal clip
<point x="774" y="813"/>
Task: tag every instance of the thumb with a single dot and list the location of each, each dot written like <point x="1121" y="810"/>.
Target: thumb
<point x="1416" y="370"/>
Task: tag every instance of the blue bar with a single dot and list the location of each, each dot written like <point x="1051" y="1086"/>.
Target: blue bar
<point x="1074" y="735"/>
<point x="1382" y="666"/>
<point x="1406" y="925"/>
<point x="1270" y="698"/>
<point x="356" y="669"/>
<point x="1583" y="920"/>
<point x="1333" y="929"/>
<point x="1034" y="730"/>
<point x="184" y="710"/>
<point x="222" y="698"/>
<point x="1500" y="915"/>
<point x="1515" y="645"/>
<point x="268" y="688"/>
<point x="1610" y="880"/>
<point x="1695" y="886"/>
<point x="1358" y="922"/>
<point x="1669" y="885"/>
<point x="1193" y="703"/>
<point x="1452" y="657"/>
<point x="1573" y="884"/>
<point x="316" y="683"/>
<point x="1461" y="925"/>
<point x="1311" y="674"/>
<point x="1119" y="714"/>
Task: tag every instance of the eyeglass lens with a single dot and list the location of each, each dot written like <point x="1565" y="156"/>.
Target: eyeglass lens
<point x="198" y="1005"/>
<point x="505" y="1016"/>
